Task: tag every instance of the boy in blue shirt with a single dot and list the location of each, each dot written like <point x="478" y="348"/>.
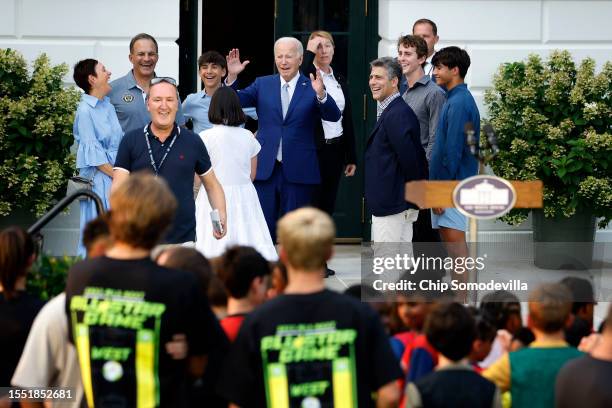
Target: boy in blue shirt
<point x="451" y="158"/>
<point x="212" y="70"/>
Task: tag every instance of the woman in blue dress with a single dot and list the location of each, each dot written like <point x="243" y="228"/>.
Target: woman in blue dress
<point x="98" y="133"/>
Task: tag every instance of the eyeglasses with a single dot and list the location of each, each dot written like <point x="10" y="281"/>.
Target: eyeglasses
<point x="158" y="80"/>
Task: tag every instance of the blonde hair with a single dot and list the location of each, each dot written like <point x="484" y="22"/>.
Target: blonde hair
<point x="550" y="305"/>
<point x="307" y="236"/>
<point x="324" y="34"/>
<point x="142" y="208"/>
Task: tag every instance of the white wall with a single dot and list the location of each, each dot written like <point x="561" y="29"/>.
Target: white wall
<point x="70" y="30"/>
<point x="498" y="31"/>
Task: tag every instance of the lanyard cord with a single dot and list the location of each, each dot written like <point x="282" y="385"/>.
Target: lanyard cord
<point x="156" y="168"/>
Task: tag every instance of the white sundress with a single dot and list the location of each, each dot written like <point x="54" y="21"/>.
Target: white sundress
<point x="230" y="149"/>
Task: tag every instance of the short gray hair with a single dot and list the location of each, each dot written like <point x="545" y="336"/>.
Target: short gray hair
<point x="297" y="43"/>
<point x="394" y="69"/>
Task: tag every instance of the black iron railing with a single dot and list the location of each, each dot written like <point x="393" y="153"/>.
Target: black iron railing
<point x="34" y="230"/>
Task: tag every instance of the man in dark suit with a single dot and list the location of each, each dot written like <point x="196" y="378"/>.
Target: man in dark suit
<point x="288" y="106"/>
<point x="394" y="155"/>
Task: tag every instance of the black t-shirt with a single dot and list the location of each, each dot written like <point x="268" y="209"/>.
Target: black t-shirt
<point x="584" y="382"/>
<point x="456" y="388"/>
<point x="187" y="156"/>
<point x="16" y="317"/>
<point x="317" y="349"/>
<point x="121" y="313"/>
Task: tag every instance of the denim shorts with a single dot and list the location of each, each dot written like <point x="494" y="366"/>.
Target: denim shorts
<point x="450" y="218"/>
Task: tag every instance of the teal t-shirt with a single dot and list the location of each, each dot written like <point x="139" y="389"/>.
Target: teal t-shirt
<point x="533" y="372"/>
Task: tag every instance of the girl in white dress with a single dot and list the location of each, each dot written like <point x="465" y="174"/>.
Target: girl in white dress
<point x="233" y="154"/>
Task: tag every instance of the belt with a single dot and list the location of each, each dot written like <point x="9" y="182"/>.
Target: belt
<point x="333" y="141"/>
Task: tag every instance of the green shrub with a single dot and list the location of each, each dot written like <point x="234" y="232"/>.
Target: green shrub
<point x="36" y="116"/>
<point x="47" y="277"/>
<point x="554" y="123"/>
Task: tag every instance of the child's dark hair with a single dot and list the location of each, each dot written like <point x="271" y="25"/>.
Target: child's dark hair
<point x="581" y="290"/>
<point x="190" y="260"/>
<point x="451" y="329"/>
<point x="94" y="230"/>
<point x="212" y="57"/>
<point x="240" y="265"/>
<point x="498" y="306"/>
<point x="16" y="250"/>
<point x="216" y="292"/>
<point x="485" y="328"/>
<point x="452" y="57"/>
<point x="363" y="292"/>
<point x="524" y="335"/>
<point x="82" y="70"/>
<point x="225" y="108"/>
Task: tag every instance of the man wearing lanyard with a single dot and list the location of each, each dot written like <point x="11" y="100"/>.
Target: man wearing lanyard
<point x="173" y="153"/>
<point x="129" y="92"/>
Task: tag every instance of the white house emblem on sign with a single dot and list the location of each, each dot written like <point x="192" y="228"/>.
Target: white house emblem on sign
<point x="484" y="197"/>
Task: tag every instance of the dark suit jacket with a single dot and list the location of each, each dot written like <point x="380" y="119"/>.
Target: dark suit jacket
<point x="394" y="155"/>
<point x="347" y="140"/>
<point x="300" y="163"/>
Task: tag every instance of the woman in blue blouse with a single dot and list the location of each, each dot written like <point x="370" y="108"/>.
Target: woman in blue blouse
<point x="97" y="132"/>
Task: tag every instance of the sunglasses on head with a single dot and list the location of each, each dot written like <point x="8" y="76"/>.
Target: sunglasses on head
<point x="169" y="80"/>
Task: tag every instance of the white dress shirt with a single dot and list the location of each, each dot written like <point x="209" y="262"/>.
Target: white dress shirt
<point x="428" y="68"/>
<point x="332" y="130"/>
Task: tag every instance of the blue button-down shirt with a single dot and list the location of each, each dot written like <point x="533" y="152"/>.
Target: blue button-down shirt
<point x="196" y="107"/>
<point x="129" y="102"/>
<point x="98" y="134"/>
<point x="451" y="158"/>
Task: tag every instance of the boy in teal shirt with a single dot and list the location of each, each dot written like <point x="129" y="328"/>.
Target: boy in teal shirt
<point x="530" y="373"/>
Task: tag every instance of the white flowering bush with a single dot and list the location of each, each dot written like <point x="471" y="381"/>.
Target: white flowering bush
<point x="554" y="123"/>
<point x="36" y="115"/>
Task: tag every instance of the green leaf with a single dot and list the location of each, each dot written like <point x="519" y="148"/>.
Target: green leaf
<point x="575" y="166"/>
<point x="561" y="172"/>
<point x="580" y="122"/>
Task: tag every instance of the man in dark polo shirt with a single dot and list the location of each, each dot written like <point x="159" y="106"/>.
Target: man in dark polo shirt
<point x="175" y="154"/>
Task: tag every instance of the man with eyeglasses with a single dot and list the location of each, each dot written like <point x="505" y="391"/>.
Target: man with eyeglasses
<point x="129" y="92"/>
<point x="174" y="153"/>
